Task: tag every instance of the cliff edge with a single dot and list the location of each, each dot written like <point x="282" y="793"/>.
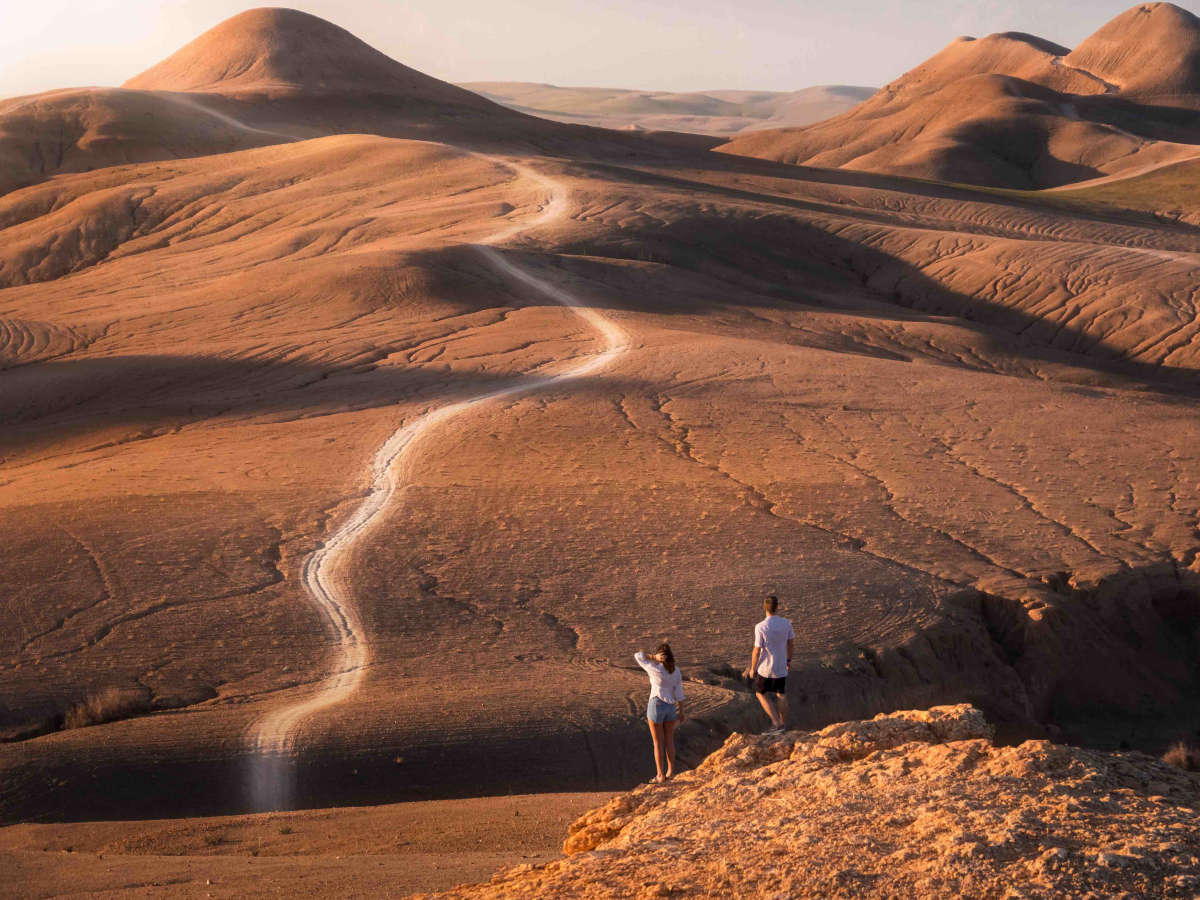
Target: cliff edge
<point x="918" y="803"/>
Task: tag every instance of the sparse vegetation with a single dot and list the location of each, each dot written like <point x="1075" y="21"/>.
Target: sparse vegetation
<point x="107" y="705"/>
<point x="214" y="839"/>
<point x="1183" y="756"/>
<point x="286" y="829"/>
<point x="1169" y="188"/>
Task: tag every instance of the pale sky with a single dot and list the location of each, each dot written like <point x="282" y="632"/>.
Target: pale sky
<point x="654" y="44"/>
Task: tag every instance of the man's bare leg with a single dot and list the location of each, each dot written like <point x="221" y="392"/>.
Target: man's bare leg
<point x="656" y="734"/>
<point x="769" y="708"/>
<point x="781" y="702"/>
<point x="669" y="746"/>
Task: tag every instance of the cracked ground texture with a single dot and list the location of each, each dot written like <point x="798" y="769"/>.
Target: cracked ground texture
<point x="953" y="430"/>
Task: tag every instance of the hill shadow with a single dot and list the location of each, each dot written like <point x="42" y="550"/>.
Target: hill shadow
<point x="656" y="173"/>
<point x="1110" y="666"/>
<point x="778" y="258"/>
<point x="40" y="402"/>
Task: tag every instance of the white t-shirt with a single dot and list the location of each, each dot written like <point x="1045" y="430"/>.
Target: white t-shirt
<point x="772" y="635"/>
<point x="666" y="686"/>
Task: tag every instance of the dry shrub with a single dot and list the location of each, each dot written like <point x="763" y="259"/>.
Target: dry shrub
<point x="1183" y="756"/>
<point x="107" y="705"/>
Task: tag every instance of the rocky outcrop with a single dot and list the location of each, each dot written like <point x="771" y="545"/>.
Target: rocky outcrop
<point x="918" y="803"/>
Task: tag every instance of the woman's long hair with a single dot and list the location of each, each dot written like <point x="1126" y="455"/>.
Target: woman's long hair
<point x="668" y="658"/>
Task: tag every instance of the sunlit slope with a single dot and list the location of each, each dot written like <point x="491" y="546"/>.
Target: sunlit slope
<point x="810" y="376"/>
<point x="284" y="51"/>
<point x="266" y="76"/>
<point x="1168" y="192"/>
<point x="1151" y="50"/>
<point x="1015" y="111"/>
<point x="215" y="308"/>
<point x="76" y="130"/>
<point x="953" y="429"/>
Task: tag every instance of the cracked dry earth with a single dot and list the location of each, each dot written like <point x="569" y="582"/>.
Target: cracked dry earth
<point x="962" y="472"/>
<point x="910" y="804"/>
<point x="954" y="430"/>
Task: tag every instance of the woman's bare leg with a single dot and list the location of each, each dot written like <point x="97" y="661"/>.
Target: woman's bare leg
<point x="669" y="743"/>
<point x="656" y="735"/>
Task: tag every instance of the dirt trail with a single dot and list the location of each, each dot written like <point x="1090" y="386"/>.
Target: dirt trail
<point x="1109" y="87"/>
<point x="192" y="103"/>
<point x="273" y="737"/>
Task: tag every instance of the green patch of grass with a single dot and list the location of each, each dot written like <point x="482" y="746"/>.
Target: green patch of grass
<point x="1169" y="189"/>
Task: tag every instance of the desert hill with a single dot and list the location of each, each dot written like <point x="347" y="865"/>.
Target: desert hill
<point x="75" y="130"/>
<point x="274" y="50"/>
<point x="1014" y="54"/>
<point x="707" y="112"/>
<point x="912" y="804"/>
<point x="266" y="76"/>
<point x="1151" y="50"/>
<point x="593" y="389"/>
<point x="1012" y="110"/>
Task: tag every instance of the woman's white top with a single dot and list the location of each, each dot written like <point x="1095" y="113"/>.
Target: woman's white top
<point x="666" y="686"/>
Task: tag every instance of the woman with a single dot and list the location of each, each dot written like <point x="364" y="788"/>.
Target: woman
<point x="665" y="709"/>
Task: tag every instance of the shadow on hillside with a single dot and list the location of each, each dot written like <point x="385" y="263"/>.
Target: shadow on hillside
<point x="40" y="403"/>
<point x="1110" y="666"/>
<point x="777" y="258"/>
<point x="1176" y="124"/>
<point x="658" y="173"/>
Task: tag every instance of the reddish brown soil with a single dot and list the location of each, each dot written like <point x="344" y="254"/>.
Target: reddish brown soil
<point x="378" y="851"/>
<point x="953" y="429"/>
<point x="913" y="804"/>
<point x="1015" y="111"/>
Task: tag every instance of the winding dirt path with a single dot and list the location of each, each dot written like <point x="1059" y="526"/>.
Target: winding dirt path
<point x="272" y="738"/>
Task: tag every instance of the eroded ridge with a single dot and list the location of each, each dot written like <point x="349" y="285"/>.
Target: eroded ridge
<point x="915" y="803"/>
<point x="273" y="738"/>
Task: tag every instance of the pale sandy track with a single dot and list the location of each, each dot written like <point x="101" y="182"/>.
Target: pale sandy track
<point x="273" y="737"/>
<point x="192" y="103"/>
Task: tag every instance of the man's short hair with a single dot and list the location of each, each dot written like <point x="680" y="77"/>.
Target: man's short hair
<point x="771" y="603"/>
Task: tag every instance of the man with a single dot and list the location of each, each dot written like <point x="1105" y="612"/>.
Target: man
<point x="770" y="661"/>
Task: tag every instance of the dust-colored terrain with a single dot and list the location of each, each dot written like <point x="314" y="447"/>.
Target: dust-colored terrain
<point x="913" y="804"/>
<point x="701" y="112"/>
<point x="953" y="428"/>
<point x="1014" y="110"/>
<point x="382" y="851"/>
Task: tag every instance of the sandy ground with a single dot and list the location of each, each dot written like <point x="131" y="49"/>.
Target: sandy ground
<point x="780" y="425"/>
<point x="954" y="430"/>
<point x="382" y="851"/>
<point x="1012" y="110"/>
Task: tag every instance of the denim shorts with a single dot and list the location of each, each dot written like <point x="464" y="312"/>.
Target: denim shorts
<point x="660" y="711"/>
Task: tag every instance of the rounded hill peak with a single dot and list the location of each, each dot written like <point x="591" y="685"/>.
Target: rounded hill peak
<point x="274" y="50"/>
<point x="1153" y="48"/>
<point x="1011" y="53"/>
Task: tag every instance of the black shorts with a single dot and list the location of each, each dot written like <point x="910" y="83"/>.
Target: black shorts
<point x="769" y="685"/>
